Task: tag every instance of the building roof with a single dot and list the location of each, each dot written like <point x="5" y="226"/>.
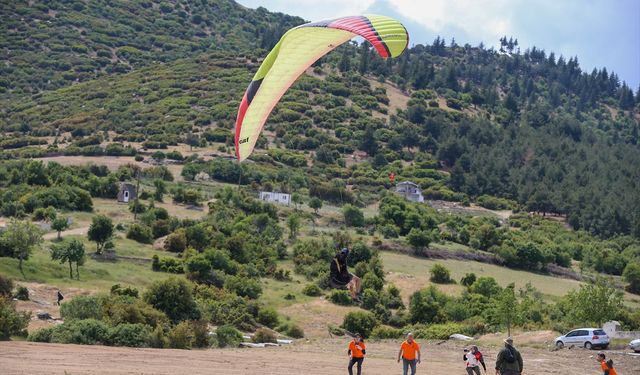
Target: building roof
<point x="408" y="183"/>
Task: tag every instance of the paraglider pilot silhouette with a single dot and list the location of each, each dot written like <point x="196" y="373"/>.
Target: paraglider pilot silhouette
<point x="340" y="276"/>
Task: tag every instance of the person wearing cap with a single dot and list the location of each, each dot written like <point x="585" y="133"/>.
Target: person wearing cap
<point x="357" y="350"/>
<point x="471" y="362"/>
<point x="410" y="354"/>
<point x="340" y="276"/>
<point x="509" y="361"/>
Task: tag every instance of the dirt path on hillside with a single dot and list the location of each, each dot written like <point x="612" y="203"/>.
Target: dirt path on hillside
<point x="315" y="357"/>
<point x="71" y="232"/>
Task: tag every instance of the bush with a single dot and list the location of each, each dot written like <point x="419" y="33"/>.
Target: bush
<point x="353" y="216"/>
<point x="140" y="233"/>
<point x="340" y="297"/>
<point x="389" y="231"/>
<point x="312" y="290"/>
<point x="83" y="307"/>
<point x="382" y="332"/>
<point x="440" y="274"/>
<point x="11" y="321"/>
<point x="41" y="335"/>
<point x="158" y="339"/>
<point x="176" y="242"/>
<point x="370" y="298"/>
<point x="167" y="264"/>
<point x="22" y="293"/>
<point x="371" y="281"/>
<point x="181" y="336"/>
<point x="292" y="330"/>
<point x="468" y="279"/>
<point x="200" y="330"/>
<point x="264" y="335"/>
<point x="6" y="286"/>
<point x="268" y="316"/>
<point x="133" y="335"/>
<point x="443" y="331"/>
<point x="117" y="290"/>
<point x="360" y="322"/>
<point x="86" y="332"/>
<point x="174" y="297"/>
<point x="228" y="335"/>
<point x="359" y="253"/>
<point x="243" y="286"/>
<point x="426" y="305"/>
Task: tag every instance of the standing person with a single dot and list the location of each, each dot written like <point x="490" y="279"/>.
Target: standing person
<point x="340" y="276"/>
<point x="606" y="366"/>
<point x="356" y="352"/>
<point x="408" y="350"/>
<point x="479" y="356"/>
<point x="472" y="364"/>
<point x="509" y="361"/>
<point x="60" y="297"/>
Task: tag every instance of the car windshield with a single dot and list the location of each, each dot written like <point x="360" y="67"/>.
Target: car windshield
<point x="599" y="332"/>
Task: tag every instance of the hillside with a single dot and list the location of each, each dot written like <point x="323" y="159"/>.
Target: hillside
<point x="528" y="166"/>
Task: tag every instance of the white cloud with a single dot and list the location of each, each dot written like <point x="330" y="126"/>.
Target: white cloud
<point x="313" y="10"/>
<point x="482" y="19"/>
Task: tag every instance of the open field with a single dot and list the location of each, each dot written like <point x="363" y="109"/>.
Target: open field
<point x="318" y="357"/>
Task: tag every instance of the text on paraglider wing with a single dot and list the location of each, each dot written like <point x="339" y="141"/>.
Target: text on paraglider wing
<point x="243" y="140"/>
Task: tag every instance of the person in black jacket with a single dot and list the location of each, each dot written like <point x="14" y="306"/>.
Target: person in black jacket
<point x="340" y="276"/>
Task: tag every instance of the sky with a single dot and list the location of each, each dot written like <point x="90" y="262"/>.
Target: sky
<point x="601" y="33"/>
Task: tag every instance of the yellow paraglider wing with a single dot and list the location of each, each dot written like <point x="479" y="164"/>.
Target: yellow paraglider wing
<point x="296" y="51"/>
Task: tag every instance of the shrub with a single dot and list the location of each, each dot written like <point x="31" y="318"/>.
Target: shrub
<point x="485" y="285"/>
<point x="41" y="335"/>
<point x="440" y="274"/>
<point x="370" y="298"/>
<point x="11" y="321"/>
<point x="291" y="330"/>
<point x="176" y="242"/>
<point x="181" y="336"/>
<point x="174" y="297"/>
<point x="83" y="307"/>
<point x="426" y="305"/>
<point x="140" y="233"/>
<point x="6" y="286"/>
<point x="86" y="332"/>
<point x="139" y="158"/>
<point x="268" y="316"/>
<point x="468" y="279"/>
<point x="382" y="332"/>
<point x="264" y="335"/>
<point x="359" y="253"/>
<point x="133" y="335"/>
<point x="340" y="297"/>
<point x="353" y="216"/>
<point x="243" y="286"/>
<point x="389" y="231"/>
<point x="22" y="293"/>
<point x="391" y="297"/>
<point x="312" y="290"/>
<point x="360" y="322"/>
<point x="228" y="335"/>
<point x="371" y="281"/>
<point x="118" y="290"/>
<point x="200" y="333"/>
<point x="158" y="339"/>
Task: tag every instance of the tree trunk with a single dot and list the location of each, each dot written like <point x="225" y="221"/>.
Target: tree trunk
<point x="20" y="264"/>
<point x="70" y="270"/>
<point x="77" y="271"/>
<point x="59" y="235"/>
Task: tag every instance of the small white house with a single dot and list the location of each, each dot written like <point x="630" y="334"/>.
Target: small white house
<point x="126" y="193"/>
<point x="410" y="191"/>
<point x="282" y="198"/>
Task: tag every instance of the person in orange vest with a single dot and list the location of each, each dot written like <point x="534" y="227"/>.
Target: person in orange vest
<point x="410" y="354"/>
<point x="356" y="352"/>
<point x="606" y="366"/>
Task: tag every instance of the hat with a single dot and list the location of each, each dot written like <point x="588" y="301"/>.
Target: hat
<point x="508" y="340"/>
<point x="345" y="251"/>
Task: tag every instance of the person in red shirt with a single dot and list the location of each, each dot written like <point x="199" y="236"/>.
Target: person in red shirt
<point x="410" y="354"/>
<point x="606" y="366"/>
<point x="356" y="352"/>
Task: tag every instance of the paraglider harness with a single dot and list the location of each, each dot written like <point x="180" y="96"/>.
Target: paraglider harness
<point x="339" y="277"/>
<point x="60" y="297"/>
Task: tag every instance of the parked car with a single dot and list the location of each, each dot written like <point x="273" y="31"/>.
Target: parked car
<point x="635" y="345"/>
<point x="588" y="338"/>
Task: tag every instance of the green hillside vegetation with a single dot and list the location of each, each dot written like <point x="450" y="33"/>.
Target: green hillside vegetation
<point x="526" y="132"/>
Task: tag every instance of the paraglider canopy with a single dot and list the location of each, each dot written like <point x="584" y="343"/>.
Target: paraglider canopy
<point x="296" y="51"/>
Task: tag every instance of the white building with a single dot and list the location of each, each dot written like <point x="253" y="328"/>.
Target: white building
<point x="272" y="197"/>
<point x="410" y="191"/>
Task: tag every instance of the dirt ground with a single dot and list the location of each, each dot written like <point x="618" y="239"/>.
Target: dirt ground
<point x="318" y="357"/>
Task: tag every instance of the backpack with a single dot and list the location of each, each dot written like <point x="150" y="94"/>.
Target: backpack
<point x="509" y="356"/>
